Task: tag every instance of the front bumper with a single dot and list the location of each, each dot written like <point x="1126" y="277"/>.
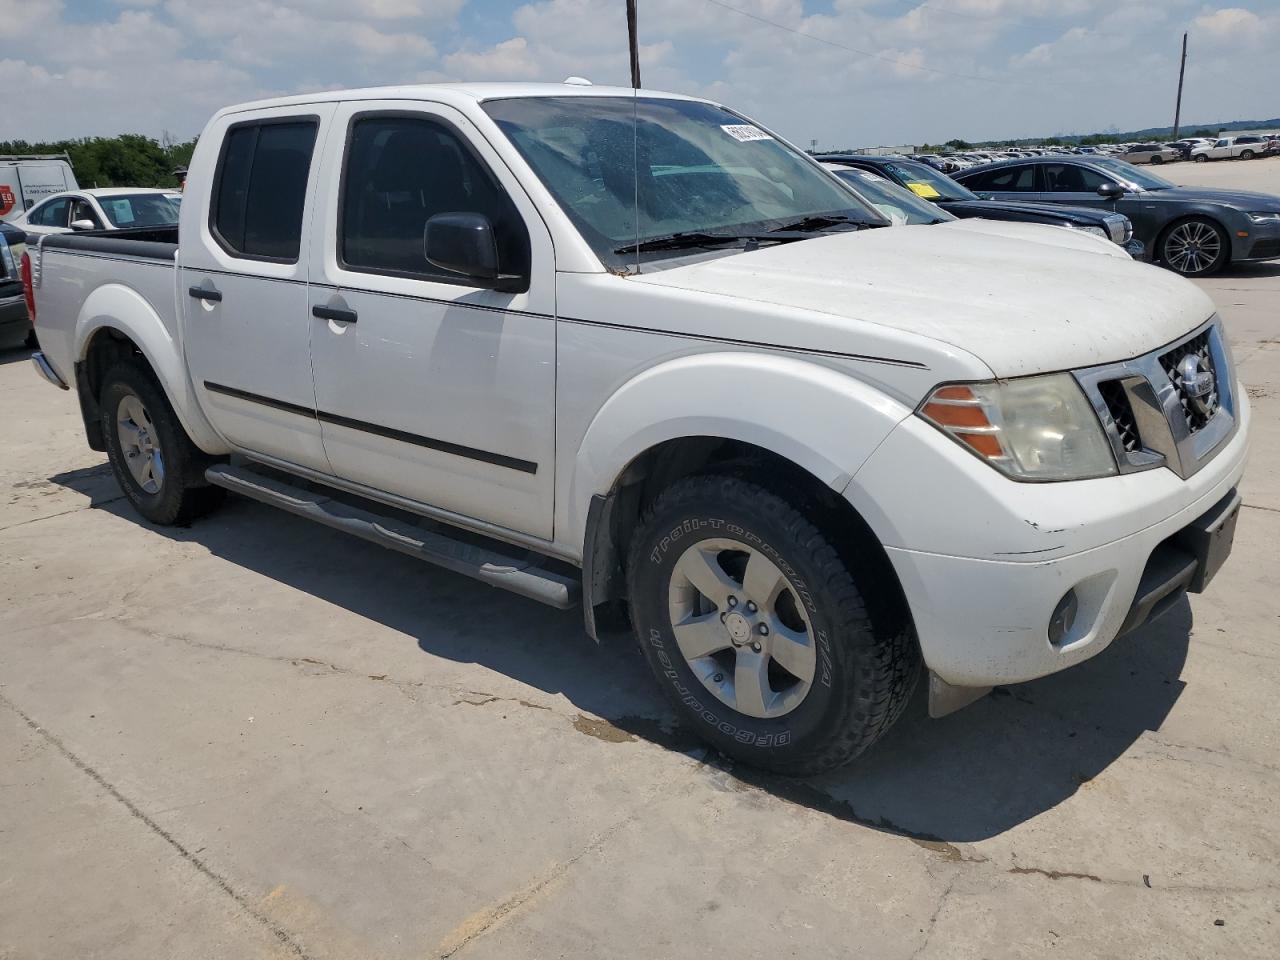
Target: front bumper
<point x="1000" y="556"/>
<point x="1263" y="243"/>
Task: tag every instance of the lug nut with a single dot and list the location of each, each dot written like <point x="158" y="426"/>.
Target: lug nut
<point x="764" y="629"/>
<point x="756" y="647"/>
<point x="751" y="607"/>
<point x="724" y="617"/>
<point x="718" y="678"/>
<point x="733" y="601"/>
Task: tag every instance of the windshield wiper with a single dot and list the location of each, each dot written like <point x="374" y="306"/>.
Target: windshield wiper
<point x="819" y="222"/>
<point x="679" y="241"/>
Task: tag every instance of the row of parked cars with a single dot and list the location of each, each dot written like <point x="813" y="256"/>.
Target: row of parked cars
<point x="1195" y="231"/>
<point x="1199" y="149"/>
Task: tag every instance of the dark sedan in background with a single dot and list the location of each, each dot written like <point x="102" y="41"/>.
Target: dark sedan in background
<point x="14" y="322"/>
<point x="936" y="187"/>
<point x="1195" y="231"/>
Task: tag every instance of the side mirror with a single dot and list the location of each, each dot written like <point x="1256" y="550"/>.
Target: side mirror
<point x="463" y="243"/>
<point x="1111" y="191"/>
<point x="79" y="225"/>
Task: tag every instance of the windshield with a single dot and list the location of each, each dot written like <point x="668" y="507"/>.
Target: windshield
<point x="632" y="171"/>
<point x="924" y="181"/>
<point x="900" y="205"/>
<point x="139" y="210"/>
<point x="1129" y="175"/>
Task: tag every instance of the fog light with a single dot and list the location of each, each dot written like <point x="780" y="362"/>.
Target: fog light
<point x="1064" y="617"/>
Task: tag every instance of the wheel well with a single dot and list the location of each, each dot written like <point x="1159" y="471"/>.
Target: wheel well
<point x="105" y="349"/>
<point x="615" y="519"/>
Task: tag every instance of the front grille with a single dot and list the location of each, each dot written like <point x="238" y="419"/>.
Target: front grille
<point x="1121" y="411"/>
<point x="1197" y="410"/>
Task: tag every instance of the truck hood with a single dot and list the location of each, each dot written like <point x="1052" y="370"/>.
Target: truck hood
<point x="1019" y="306"/>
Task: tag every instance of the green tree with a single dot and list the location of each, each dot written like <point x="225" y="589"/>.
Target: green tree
<point x="959" y="144"/>
<point x="128" y="160"/>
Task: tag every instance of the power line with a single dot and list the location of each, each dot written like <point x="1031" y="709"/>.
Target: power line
<point x="862" y="53"/>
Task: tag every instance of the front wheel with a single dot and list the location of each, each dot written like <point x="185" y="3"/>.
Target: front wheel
<point x="157" y="466"/>
<point x="1157" y="159"/>
<point x="1195" y="248"/>
<point x="1201" y="158"/>
<point x="758" y="632"/>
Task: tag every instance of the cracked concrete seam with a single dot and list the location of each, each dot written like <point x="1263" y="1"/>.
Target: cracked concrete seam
<point x="62" y="513"/>
<point x="282" y="936"/>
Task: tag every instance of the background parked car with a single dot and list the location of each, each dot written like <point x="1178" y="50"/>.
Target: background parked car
<point x="1229" y="148"/>
<point x="15" y="324"/>
<point x="112" y="208"/>
<point x="1151" y="153"/>
<point x="958" y="200"/>
<point x="1193" y="230"/>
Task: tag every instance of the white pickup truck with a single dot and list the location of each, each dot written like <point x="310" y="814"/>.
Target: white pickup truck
<point x="1229" y="148"/>
<point x="636" y="351"/>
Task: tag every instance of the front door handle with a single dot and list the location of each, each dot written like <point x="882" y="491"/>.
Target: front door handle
<point x="333" y="313"/>
<point x="203" y="293"/>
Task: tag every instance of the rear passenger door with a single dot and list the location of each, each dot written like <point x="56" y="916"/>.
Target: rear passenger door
<point x="428" y="387"/>
<point x="244" y="282"/>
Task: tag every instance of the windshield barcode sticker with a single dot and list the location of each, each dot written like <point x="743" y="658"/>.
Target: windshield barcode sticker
<point x="744" y="132"/>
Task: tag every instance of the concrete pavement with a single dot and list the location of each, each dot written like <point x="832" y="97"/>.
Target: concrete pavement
<point x="260" y="738"/>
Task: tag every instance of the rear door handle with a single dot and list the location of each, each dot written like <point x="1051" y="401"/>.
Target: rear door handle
<point x="333" y="313"/>
<point x="202" y="293"/>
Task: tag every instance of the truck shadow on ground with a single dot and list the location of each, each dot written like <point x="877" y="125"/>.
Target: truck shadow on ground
<point x="973" y="775"/>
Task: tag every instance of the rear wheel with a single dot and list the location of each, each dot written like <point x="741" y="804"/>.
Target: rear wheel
<point x="1195" y="248"/>
<point x="1246" y="155"/>
<point x="758" y="632"/>
<point x="157" y="466"/>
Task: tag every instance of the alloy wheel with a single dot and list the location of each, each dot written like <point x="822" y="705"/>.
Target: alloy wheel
<point x="1192" y="247"/>
<point x="139" y="444"/>
<point x="742" y="628"/>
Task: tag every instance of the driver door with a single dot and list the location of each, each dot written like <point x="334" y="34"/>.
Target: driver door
<point x="428" y="386"/>
<point x="1075" y="184"/>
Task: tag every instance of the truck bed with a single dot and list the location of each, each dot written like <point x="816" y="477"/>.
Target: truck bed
<point x="153" y="243"/>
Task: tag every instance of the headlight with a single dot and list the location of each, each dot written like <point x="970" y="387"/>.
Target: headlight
<point x="1096" y="231"/>
<point x="1265" y="217"/>
<point x="1029" y="428"/>
<point x="1121" y="229"/>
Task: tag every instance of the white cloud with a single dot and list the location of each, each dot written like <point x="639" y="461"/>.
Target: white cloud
<point x="844" y="72"/>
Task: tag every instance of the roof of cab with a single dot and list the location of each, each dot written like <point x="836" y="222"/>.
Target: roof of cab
<point x="452" y="92"/>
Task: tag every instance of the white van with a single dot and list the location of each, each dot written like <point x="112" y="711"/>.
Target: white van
<point x="26" y="180"/>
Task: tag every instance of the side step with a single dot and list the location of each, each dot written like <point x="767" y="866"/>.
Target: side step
<point x="522" y="576"/>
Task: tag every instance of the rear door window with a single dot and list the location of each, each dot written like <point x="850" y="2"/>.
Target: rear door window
<point x="261" y="187"/>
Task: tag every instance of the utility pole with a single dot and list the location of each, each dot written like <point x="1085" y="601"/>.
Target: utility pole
<point x="1182" y="70"/>
<point x="632" y="43"/>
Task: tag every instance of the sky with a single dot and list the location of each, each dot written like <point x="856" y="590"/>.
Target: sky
<point x="842" y="73"/>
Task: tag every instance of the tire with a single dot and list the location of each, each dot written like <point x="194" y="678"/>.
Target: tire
<point x="157" y="466"/>
<point x="845" y="682"/>
<point x="1157" y="159"/>
<point x="1246" y="155"/>
<point x="1201" y="158"/>
<point x="1196" y="247"/>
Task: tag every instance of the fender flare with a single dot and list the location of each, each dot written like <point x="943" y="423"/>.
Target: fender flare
<point x="114" y="306"/>
<point x="823" y="420"/>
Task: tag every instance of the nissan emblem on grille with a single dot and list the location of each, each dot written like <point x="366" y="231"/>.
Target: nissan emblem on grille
<point x="1198" y="383"/>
